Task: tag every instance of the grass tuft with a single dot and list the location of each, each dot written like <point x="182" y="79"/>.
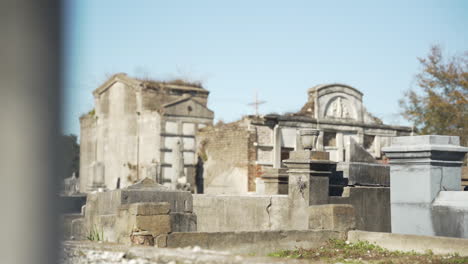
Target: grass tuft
<point x="95" y="235"/>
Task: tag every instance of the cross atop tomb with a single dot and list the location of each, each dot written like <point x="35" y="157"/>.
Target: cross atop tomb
<point x="256" y="103"/>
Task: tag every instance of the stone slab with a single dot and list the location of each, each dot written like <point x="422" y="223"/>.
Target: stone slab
<point x="222" y="213"/>
<point x="156" y="224"/>
<point x="421" y="244"/>
<point x="255" y="242"/>
<point x="337" y="217"/>
<point x="149" y="208"/>
<point x="370" y="174"/>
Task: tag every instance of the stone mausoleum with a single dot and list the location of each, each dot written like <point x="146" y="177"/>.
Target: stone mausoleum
<point x="238" y="153"/>
<point x="142" y="129"/>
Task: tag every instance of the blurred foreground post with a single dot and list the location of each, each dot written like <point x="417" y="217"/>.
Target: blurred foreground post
<point x="29" y="114"/>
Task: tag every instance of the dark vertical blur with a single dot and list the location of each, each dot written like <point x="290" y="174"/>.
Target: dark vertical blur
<point x="29" y="114"/>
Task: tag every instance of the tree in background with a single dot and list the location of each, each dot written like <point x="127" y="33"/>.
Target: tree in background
<point x="440" y="104"/>
<point x="69" y="155"/>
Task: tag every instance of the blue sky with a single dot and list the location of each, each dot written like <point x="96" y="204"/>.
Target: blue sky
<point x="276" y="48"/>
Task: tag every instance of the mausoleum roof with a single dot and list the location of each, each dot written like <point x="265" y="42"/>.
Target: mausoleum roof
<point x="323" y="86"/>
<point x="177" y="84"/>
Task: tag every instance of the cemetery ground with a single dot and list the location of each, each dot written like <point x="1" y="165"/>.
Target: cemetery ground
<point x="341" y="251"/>
<point x="334" y="251"/>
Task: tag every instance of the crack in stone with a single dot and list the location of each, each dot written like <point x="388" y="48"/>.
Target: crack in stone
<point x="440" y="185"/>
<point x="268" y="212"/>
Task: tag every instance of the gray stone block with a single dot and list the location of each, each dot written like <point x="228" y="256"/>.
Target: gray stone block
<point x="103" y="203"/>
<point x="371" y="204"/>
<point x="368" y="174"/>
<point x="275" y="181"/>
<point x="183" y="222"/>
<point x="156" y="224"/>
<point x="450" y="214"/>
<point x="428" y="165"/>
<point x="337" y="217"/>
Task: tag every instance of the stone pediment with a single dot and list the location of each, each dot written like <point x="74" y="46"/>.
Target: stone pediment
<point x="187" y="107"/>
<point x="337" y="101"/>
<point x="119" y="77"/>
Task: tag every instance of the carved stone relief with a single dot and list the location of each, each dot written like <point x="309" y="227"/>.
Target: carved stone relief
<point x="339" y="108"/>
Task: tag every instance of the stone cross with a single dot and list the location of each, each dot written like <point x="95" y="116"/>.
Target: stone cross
<point x="256" y="103"/>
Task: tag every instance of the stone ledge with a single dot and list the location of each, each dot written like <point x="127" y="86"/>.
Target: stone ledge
<point x="370" y="174"/>
<point x="258" y="242"/>
<point x="426" y="140"/>
<point x="161" y="208"/>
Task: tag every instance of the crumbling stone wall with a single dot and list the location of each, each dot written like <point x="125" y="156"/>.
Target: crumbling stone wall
<point x="228" y="157"/>
<point x="143" y="213"/>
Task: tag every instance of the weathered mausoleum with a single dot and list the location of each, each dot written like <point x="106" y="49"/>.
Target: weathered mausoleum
<point x="139" y="129"/>
<point x="236" y="154"/>
<point x="143" y="128"/>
